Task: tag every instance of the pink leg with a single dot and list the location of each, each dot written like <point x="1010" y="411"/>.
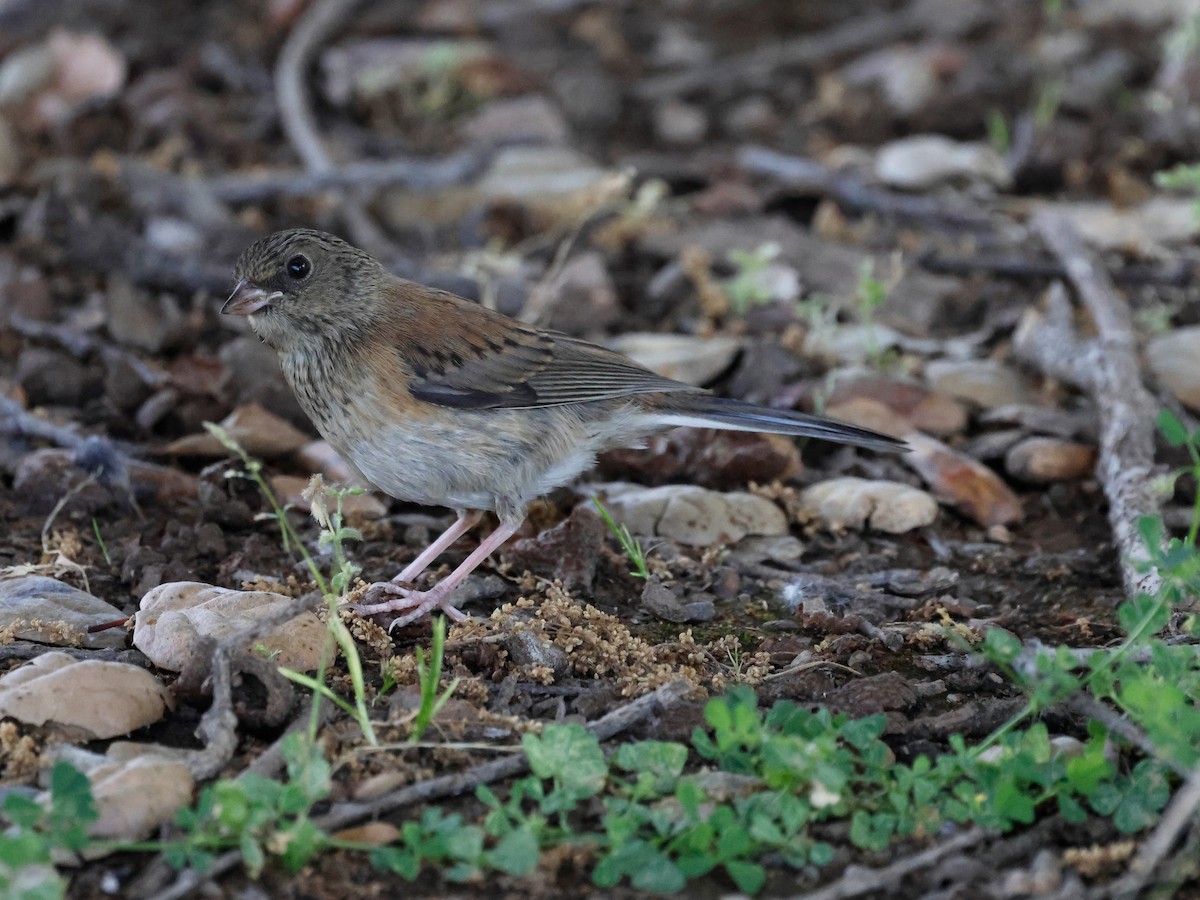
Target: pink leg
<point x="467" y="519"/>
<point x="420" y="603"/>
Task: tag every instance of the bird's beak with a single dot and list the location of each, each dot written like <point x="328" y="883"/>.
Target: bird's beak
<point x="247" y="299"/>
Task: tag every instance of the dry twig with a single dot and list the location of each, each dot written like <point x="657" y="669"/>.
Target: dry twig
<point x="850" y="37"/>
<point x="1106" y="368"/>
<point x="858" y="880"/>
<point x="849" y="191"/>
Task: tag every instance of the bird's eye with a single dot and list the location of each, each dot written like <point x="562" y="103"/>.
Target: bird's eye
<point x="298" y="268"/>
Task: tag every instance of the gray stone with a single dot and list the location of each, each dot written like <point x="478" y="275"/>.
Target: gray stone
<point x="47" y="602"/>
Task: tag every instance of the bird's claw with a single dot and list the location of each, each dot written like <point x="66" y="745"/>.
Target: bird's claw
<point x="412" y="603"/>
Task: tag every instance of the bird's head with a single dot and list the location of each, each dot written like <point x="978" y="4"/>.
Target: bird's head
<point x="302" y="284"/>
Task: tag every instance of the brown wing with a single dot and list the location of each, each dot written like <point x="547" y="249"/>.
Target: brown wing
<point x="462" y="355"/>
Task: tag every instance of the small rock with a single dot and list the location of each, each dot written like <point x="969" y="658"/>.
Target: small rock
<point x="1147" y="230"/>
<point x="62" y="74"/>
<point x="585" y="300"/>
<point x="530" y="650"/>
<point x="52" y="378"/>
<point x="478" y="587"/>
<point x="726" y="583"/>
<point x="120" y="698"/>
<point x="939" y="414"/>
<point x="921" y="304"/>
<point x="984" y="382"/>
<point x="905" y="75"/>
<point x="751" y="117"/>
<point x="530" y="118"/>
<point x="136" y="319"/>
<point x="898" y="404"/>
<point x="1174" y="358"/>
<point x="780" y="548"/>
<point x="569" y="551"/>
<point x="853" y="502"/>
<point x="589" y="96"/>
<point x="538" y="173"/>
<point x="686" y="358"/>
<point x="851" y="344"/>
<point x="922" y="161"/>
<point x="868" y="413"/>
<point x="51" y="612"/>
<point x="666" y="604"/>
<point x="1040" y="460"/>
<point x="45" y="476"/>
<point x="963" y="483"/>
<point x="679" y="123"/>
<point x="176" y="621"/>
<point x="137" y="788"/>
<point x="258" y="431"/>
<point x="873" y="694"/>
<point x="253" y="376"/>
<point x="173" y="236"/>
<point x="695" y="516"/>
<point x="1096" y="82"/>
<point x="24" y="291"/>
<point x="369" y="70"/>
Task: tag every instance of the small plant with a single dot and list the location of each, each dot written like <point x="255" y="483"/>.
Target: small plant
<point x="1182" y="178"/>
<point x="33" y="833"/>
<point x="429" y="676"/>
<point x="758" y="279"/>
<point x="870" y="294"/>
<point x="261" y="817"/>
<point x="998" y="132"/>
<point x="100" y="541"/>
<point x="333" y="534"/>
<point x="630" y="544"/>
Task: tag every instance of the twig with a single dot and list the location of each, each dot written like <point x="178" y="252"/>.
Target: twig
<point x="850" y="191"/>
<point x="1181" y="810"/>
<point x="850" y="37"/>
<point x="318" y="22"/>
<point x="1181" y="274"/>
<point x="1049" y="341"/>
<point x="32" y="650"/>
<point x="411" y="172"/>
<point x="858" y="880"/>
<point x="218" y="728"/>
<point x="296" y="116"/>
<point x="1108" y="370"/>
<point x="344" y="814"/>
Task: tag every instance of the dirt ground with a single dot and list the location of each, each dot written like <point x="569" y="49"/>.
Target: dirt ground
<point x="592" y="166"/>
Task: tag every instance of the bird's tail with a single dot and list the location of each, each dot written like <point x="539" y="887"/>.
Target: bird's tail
<point x="706" y="411"/>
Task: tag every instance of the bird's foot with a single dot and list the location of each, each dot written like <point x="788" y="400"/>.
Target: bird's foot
<point x="411" y="603"/>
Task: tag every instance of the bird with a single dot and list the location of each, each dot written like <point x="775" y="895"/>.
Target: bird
<point x="439" y="401"/>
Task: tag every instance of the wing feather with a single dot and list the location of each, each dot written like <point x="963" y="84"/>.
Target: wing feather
<point x="461" y="355"/>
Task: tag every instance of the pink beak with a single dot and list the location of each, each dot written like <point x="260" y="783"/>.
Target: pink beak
<point x="247" y="299"/>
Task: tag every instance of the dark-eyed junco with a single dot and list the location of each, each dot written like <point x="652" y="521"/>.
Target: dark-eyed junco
<point x="439" y="401"/>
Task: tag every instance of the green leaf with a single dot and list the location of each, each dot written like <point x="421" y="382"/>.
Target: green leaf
<point x="516" y="853"/>
<point x="570" y="755"/>
<point x="403" y="862"/>
<point x="662" y="760"/>
<point x="748" y="876"/>
<point x="1172" y="429"/>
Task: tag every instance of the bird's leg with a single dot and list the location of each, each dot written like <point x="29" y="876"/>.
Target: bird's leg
<point x="420" y="603"/>
<point x="467" y="519"/>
